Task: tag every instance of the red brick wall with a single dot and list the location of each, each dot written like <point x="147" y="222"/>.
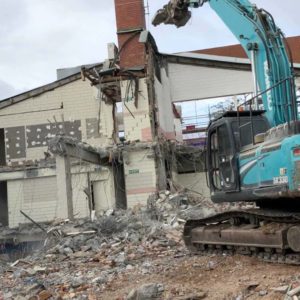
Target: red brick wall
<point x="130" y="15"/>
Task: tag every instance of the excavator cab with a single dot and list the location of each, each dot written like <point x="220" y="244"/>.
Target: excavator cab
<point x="227" y="136"/>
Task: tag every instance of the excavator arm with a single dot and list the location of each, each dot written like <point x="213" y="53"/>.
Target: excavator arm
<point x="263" y="42"/>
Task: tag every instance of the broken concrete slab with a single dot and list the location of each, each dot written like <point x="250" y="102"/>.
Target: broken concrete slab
<point x="281" y="289"/>
<point x="294" y="292"/>
<point x="147" y="292"/>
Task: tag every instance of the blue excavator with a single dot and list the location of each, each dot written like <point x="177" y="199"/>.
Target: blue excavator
<point x="253" y="154"/>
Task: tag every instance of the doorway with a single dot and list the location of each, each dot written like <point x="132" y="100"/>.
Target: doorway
<point x="2" y="148"/>
<point x="3" y="203"/>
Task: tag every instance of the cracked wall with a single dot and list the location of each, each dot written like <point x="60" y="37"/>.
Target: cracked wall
<point x="73" y="109"/>
<point x="136" y="114"/>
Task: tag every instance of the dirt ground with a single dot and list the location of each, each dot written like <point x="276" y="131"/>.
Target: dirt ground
<point x="183" y="277"/>
<point x="209" y="277"/>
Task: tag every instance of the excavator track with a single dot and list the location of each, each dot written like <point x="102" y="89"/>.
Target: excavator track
<point x="271" y="236"/>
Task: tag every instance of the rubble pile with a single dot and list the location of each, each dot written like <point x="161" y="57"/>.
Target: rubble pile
<point x="137" y="254"/>
<point x="81" y="258"/>
<point x="174" y="208"/>
<point x="284" y="291"/>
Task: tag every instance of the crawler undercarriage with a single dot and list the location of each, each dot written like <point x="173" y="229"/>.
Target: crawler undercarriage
<point x="266" y="234"/>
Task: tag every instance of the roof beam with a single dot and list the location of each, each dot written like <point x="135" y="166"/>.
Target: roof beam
<point x="65" y="146"/>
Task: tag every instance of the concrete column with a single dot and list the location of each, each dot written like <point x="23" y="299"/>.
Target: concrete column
<point x="64" y="187"/>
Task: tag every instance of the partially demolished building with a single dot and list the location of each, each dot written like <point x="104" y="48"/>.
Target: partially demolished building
<point x="109" y="135"/>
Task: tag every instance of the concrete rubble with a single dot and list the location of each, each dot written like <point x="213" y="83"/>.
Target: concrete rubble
<point x="137" y="254"/>
<point x="117" y="243"/>
<point x="146" y="292"/>
<point x="174" y="208"/>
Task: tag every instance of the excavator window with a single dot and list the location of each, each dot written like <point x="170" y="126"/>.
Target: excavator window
<point x="224" y="140"/>
<point x="242" y="132"/>
<point x="214" y="150"/>
<point x="222" y="158"/>
<point x="220" y="149"/>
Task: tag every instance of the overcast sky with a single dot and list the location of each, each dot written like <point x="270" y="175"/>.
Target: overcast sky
<point x="39" y="36"/>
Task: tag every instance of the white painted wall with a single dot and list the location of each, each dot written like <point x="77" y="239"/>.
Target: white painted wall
<point x="37" y="197"/>
<point x="178" y="130"/>
<point x="164" y="105"/>
<point x="104" y="190"/>
<point x="193" y="181"/>
<point x="190" y="82"/>
<point x="298" y="82"/>
<point x="137" y="124"/>
<point x="140" y="176"/>
<point x="15" y="197"/>
<point x="80" y="199"/>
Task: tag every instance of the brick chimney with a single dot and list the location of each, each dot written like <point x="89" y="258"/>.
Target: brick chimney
<point x="130" y="18"/>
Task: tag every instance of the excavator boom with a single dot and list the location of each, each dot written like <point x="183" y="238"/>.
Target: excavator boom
<point x="263" y="42"/>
